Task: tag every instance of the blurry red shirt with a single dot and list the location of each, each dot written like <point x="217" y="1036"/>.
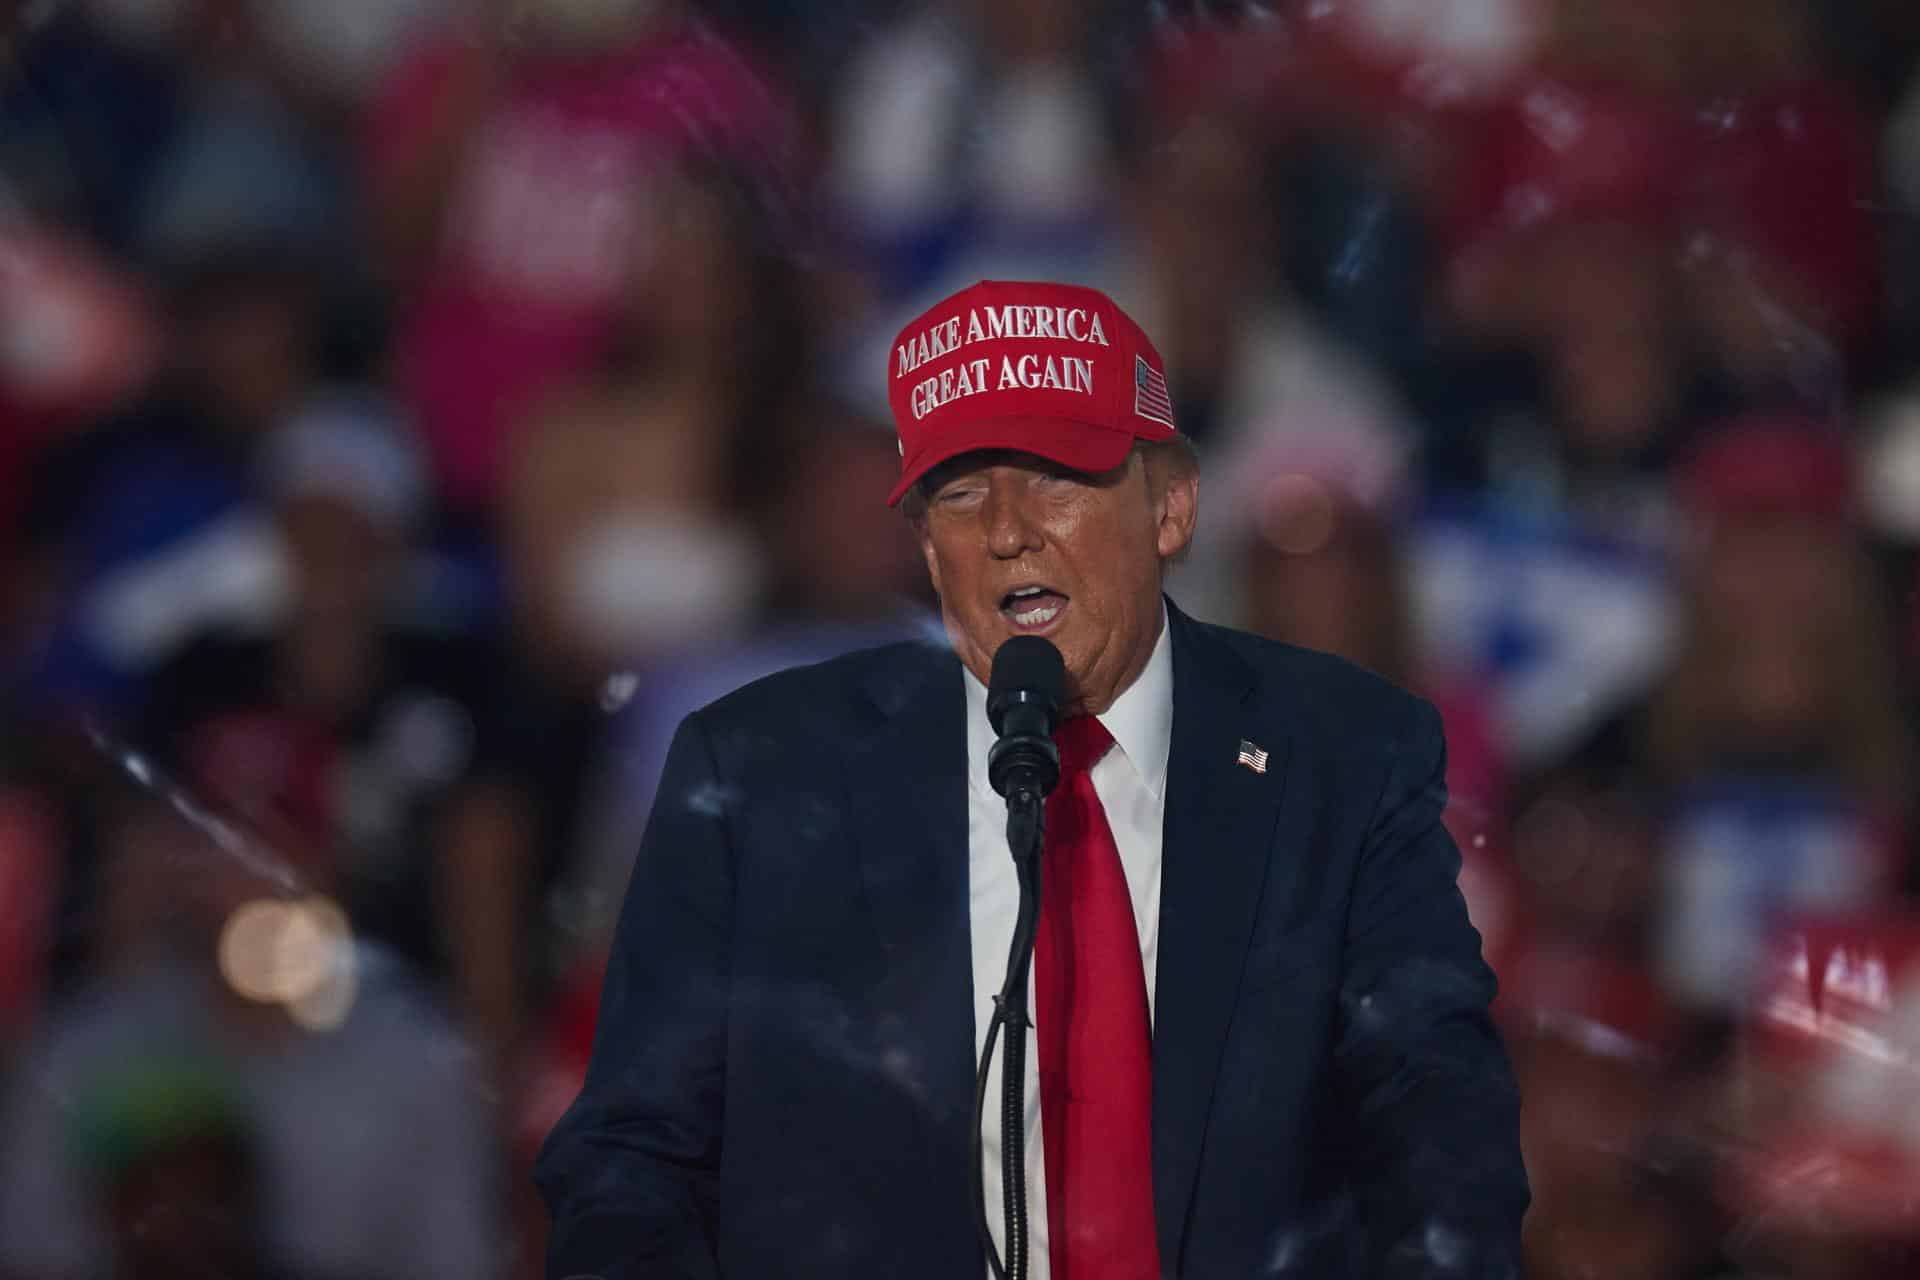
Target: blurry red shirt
<point x="548" y="217"/>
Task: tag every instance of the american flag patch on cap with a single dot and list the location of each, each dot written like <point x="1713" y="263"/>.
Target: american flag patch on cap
<point x="1251" y="756"/>
<point x="1150" y="392"/>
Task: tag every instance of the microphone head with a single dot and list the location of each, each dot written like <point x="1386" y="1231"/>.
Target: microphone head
<point x="1027" y="671"/>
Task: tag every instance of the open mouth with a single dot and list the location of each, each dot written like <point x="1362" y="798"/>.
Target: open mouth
<point x="1033" y="608"/>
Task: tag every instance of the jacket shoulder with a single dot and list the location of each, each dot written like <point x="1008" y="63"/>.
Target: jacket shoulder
<point x="838" y="695"/>
<point x="1330" y="699"/>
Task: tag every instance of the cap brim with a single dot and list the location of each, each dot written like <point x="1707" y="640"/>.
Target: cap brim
<point x="1079" y="445"/>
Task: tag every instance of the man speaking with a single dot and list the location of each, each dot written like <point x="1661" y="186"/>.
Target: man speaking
<point x="1259" y="1041"/>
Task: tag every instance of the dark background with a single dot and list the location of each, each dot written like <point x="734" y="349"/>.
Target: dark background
<point x="410" y="408"/>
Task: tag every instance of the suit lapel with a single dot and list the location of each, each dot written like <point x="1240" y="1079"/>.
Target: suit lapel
<point x="1220" y="819"/>
<point x="908" y="812"/>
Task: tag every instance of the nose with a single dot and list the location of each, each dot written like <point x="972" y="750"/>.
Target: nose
<point x="1011" y="530"/>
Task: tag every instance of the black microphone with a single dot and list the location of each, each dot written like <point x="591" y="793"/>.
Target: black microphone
<point x="1028" y="684"/>
<point x="1024" y="696"/>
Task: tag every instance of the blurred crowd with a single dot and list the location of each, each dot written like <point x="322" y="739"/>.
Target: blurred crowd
<point x="409" y="409"/>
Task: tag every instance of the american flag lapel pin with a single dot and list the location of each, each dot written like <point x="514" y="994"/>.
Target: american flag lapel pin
<point x="1254" y="758"/>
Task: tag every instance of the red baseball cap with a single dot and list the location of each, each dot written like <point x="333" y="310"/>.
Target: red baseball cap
<point x="1056" y="370"/>
<point x="1785" y="464"/>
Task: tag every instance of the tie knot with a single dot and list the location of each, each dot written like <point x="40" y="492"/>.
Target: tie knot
<point x="1082" y="741"/>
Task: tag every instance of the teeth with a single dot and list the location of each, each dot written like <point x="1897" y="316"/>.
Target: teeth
<point x="1027" y="591"/>
<point x="1037" y="617"/>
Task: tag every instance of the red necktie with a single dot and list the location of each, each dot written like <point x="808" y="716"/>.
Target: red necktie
<point x="1096" y="1048"/>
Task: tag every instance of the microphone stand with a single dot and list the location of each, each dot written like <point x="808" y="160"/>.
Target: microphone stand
<point x="1026" y="823"/>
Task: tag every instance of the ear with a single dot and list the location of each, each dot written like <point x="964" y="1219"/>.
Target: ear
<point x="1179" y="509"/>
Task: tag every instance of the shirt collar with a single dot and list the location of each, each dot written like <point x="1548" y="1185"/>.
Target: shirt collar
<point x="1140" y="719"/>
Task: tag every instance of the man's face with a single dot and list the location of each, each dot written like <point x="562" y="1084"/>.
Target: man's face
<point x="1020" y="546"/>
<point x="339" y="556"/>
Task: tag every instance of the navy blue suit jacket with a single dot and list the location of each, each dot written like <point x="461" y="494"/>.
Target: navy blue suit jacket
<point x="782" y="1078"/>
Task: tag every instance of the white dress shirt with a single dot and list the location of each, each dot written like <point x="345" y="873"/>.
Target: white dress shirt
<point x="1131" y="781"/>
